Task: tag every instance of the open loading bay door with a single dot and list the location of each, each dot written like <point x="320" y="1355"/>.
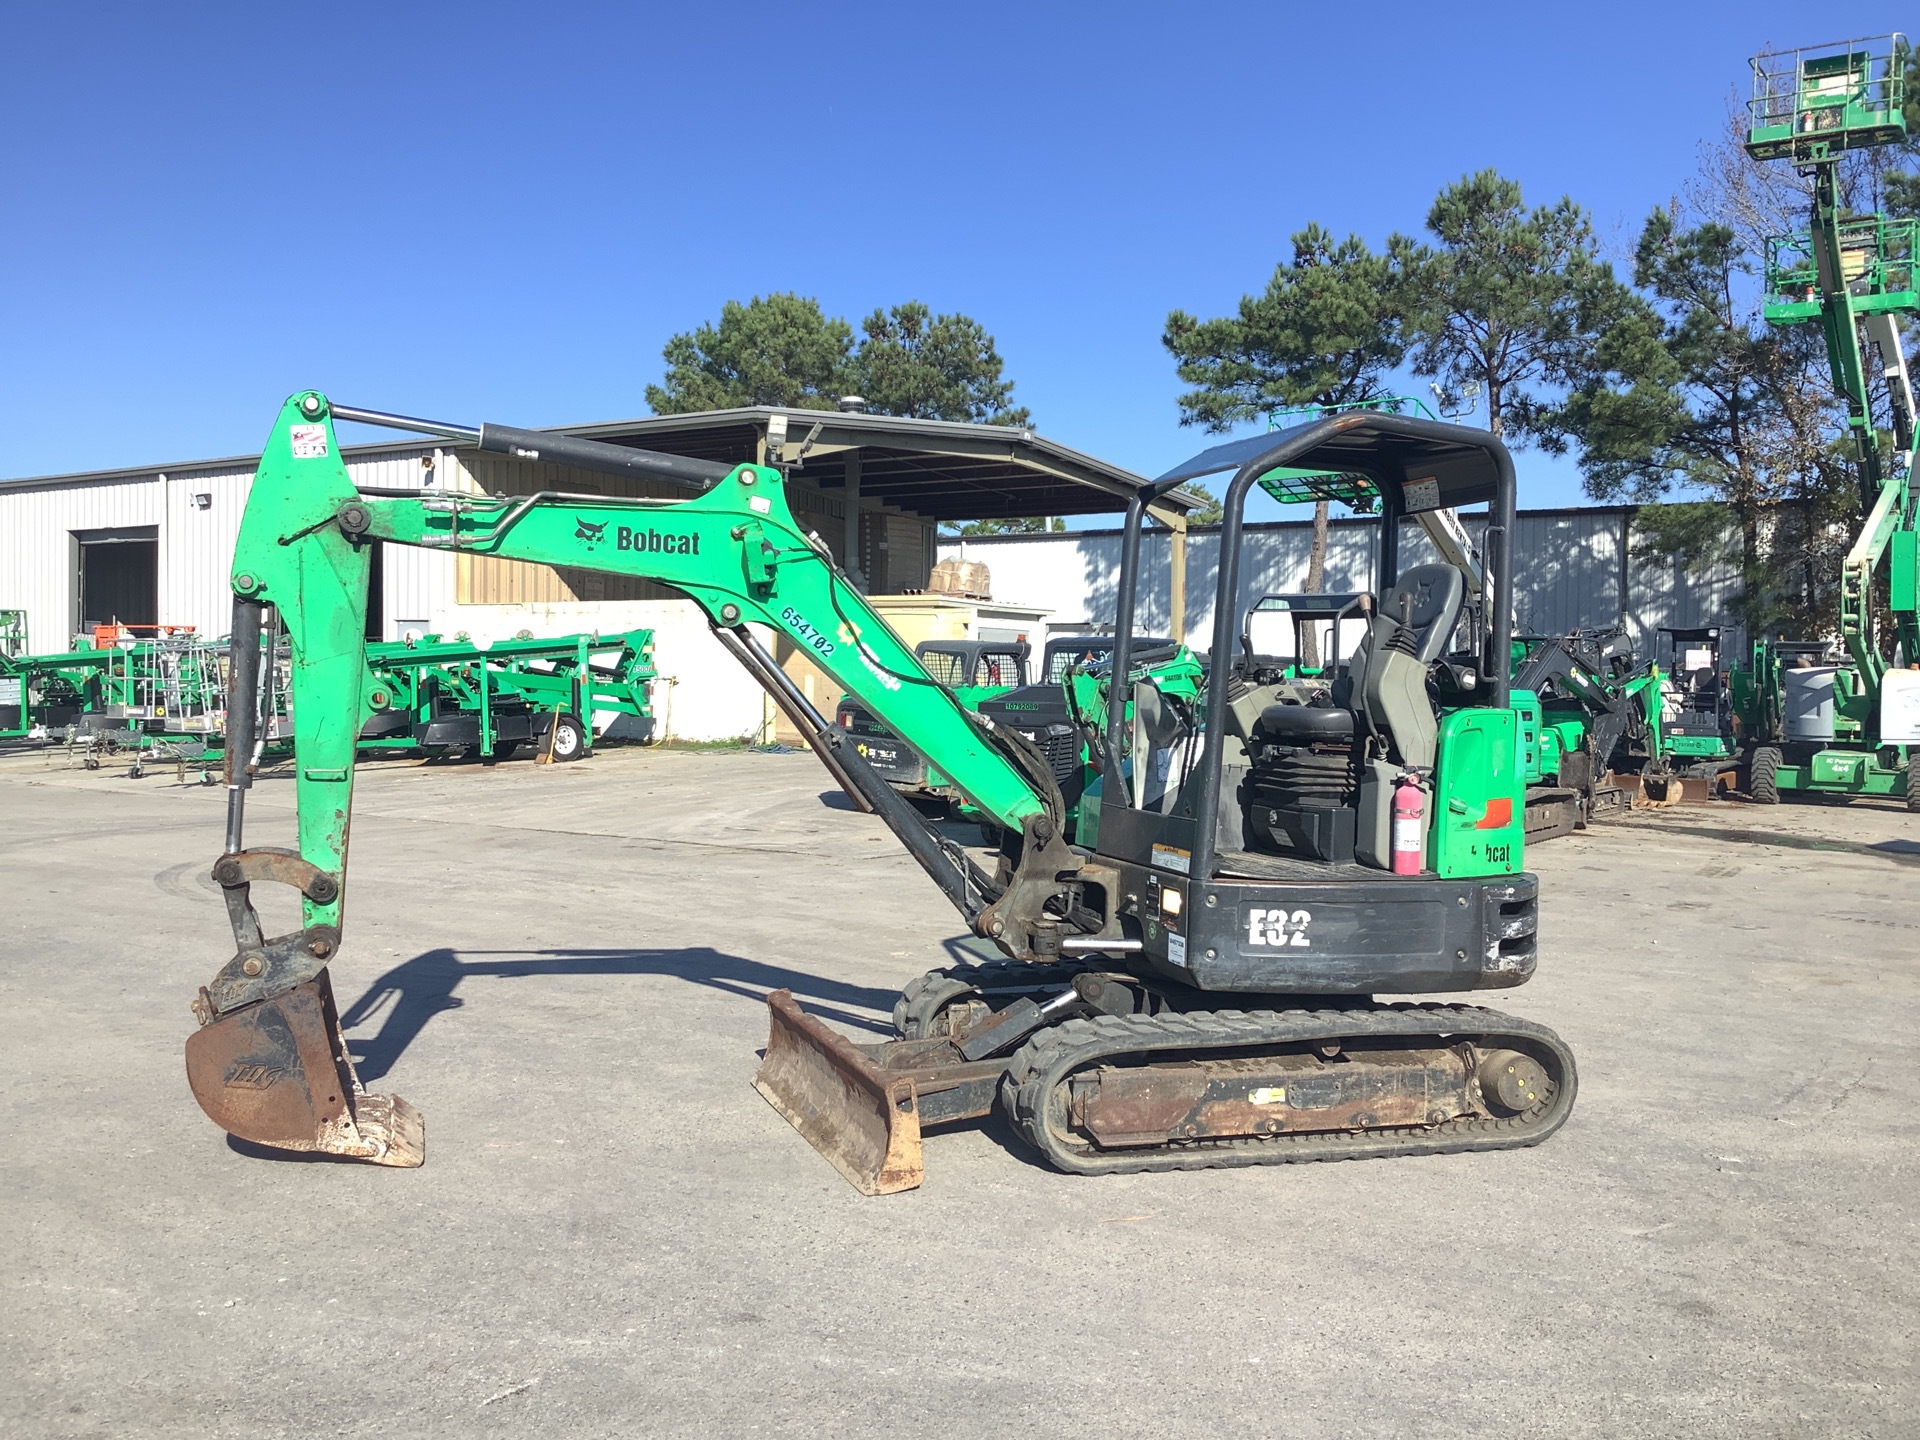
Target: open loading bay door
<point x="117" y="576"/>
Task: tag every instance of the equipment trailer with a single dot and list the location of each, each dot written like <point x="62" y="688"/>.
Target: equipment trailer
<point x="1189" y="987"/>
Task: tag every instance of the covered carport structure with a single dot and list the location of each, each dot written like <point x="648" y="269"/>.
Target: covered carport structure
<point x="875" y="472"/>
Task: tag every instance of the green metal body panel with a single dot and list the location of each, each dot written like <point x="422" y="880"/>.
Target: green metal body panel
<point x="735" y="550"/>
<point x="1694" y="747"/>
<point x="1479" y="795"/>
<point x="1842" y="772"/>
<point x="1526" y="736"/>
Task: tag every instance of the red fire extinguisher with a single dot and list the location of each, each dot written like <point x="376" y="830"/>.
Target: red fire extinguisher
<point x="1409" y="803"/>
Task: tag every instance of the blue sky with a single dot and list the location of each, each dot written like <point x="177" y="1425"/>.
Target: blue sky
<point x="483" y="212"/>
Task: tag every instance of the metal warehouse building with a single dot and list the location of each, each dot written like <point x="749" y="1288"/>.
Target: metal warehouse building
<point x="1573" y="569"/>
<point x="153" y="544"/>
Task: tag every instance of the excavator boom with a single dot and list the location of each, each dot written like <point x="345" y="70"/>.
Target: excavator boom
<point x="269" y="1063"/>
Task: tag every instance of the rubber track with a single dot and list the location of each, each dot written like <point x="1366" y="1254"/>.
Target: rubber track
<point x="1046" y="1060"/>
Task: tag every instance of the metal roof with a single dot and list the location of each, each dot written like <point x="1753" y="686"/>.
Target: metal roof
<point x="941" y="469"/>
<point x="1464" y="466"/>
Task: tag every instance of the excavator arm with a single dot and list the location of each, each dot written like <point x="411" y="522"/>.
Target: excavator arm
<point x="269" y="1063"/>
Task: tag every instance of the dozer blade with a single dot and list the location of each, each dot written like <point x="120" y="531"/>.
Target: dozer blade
<point x="276" y="1073"/>
<point x="865" y="1122"/>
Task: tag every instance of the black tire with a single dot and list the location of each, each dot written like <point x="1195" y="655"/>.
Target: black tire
<point x="921" y="1012"/>
<point x="1762" y="788"/>
<point x="924" y="1009"/>
<point x="503" y="750"/>
<point x="569" y="739"/>
<point x="1913" y="782"/>
<point x="991" y="835"/>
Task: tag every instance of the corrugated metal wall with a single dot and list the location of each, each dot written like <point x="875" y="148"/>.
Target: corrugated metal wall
<point x="1570" y="571"/>
<point x="38" y="523"/>
<point x="1569" y="574"/>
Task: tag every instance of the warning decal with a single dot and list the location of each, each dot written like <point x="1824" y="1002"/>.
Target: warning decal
<point x="1422" y="494"/>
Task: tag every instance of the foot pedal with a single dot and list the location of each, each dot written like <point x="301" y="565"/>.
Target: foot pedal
<point x="865" y="1122"/>
<point x="276" y="1073"/>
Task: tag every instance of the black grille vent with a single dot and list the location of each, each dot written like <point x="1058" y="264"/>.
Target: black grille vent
<point x="1062" y="749"/>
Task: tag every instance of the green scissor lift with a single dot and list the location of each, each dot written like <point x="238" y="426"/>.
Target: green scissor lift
<point x="1811" y="718"/>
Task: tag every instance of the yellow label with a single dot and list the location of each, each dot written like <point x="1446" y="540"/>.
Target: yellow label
<point x="1268" y="1095"/>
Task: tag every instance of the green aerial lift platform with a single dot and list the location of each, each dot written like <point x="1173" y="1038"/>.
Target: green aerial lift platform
<point x="1812" y="718"/>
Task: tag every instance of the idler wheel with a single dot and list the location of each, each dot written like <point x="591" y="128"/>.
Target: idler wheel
<point x="1512" y="1083"/>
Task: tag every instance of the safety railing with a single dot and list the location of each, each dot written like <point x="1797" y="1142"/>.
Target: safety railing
<point x="1818" y="100"/>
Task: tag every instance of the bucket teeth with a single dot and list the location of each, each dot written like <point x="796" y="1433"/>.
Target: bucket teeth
<point x="276" y="1073"/>
<point x="864" y="1121"/>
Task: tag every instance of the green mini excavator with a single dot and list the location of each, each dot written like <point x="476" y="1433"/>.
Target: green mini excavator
<point x="1191" y="985"/>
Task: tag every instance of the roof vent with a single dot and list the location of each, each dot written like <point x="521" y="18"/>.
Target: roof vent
<point x="853" y="404"/>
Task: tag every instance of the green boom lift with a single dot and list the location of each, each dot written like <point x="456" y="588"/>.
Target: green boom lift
<point x="489" y="700"/>
<point x="1812" y="720"/>
<point x="1193" y="989"/>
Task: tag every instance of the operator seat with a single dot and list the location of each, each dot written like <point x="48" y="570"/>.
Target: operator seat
<point x="1386" y="681"/>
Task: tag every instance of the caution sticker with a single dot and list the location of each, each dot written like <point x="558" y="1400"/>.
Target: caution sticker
<point x="1172" y="857"/>
<point x="309" y="441"/>
<point x="1422" y="494"/>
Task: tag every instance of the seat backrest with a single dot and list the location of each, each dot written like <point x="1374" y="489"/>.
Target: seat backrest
<point x="1428" y="598"/>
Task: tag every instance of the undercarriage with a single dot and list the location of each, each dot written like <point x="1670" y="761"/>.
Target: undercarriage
<point x="1105" y="1072"/>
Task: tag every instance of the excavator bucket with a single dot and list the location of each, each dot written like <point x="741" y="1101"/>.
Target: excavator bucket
<point x="277" y="1073"/>
<point x="864" y="1121"/>
<point x="1660" y="792"/>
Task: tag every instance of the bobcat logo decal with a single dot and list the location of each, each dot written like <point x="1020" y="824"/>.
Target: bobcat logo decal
<point x="586" y="530"/>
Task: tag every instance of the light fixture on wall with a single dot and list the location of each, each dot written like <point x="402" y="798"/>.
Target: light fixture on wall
<point x="202" y="500"/>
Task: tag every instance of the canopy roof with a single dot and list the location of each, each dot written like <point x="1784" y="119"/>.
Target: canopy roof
<point x="1353" y="456"/>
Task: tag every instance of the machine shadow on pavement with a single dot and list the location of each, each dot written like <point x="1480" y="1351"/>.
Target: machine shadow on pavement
<point x="417" y="989"/>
